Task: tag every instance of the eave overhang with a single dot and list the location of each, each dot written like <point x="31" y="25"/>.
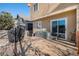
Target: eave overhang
<point x="58" y="12"/>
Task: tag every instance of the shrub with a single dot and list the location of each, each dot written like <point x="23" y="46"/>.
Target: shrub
<point x="6" y="21"/>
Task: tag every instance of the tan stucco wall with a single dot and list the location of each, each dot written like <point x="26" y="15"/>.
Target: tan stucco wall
<point x="47" y="8"/>
<point x="44" y="8"/>
<point x="71" y="23"/>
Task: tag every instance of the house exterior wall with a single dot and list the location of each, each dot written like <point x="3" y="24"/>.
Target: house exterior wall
<point x="47" y="8"/>
<point x="71" y="21"/>
<point x="44" y="8"/>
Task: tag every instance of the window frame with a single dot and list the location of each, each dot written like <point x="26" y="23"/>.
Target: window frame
<point x="35" y="7"/>
<point x="65" y="18"/>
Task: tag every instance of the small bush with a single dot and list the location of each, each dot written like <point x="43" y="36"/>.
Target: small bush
<point x="6" y="21"/>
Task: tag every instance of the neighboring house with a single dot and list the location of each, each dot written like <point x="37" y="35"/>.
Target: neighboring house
<point x="27" y="21"/>
<point x="61" y="20"/>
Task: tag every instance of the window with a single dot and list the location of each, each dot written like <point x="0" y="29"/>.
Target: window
<point x="38" y="24"/>
<point x="35" y="7"/>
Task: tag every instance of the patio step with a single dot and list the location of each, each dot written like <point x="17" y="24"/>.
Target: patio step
<point x="64" y="43"/>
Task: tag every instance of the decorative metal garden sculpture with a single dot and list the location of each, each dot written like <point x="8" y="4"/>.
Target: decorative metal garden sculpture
<point x="16" y="34"/>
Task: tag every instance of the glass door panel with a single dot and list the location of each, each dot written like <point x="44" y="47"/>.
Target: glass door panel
<point x="54" y="28"/>
<point x="58" y="28"/>
<point x="61" y="28"/>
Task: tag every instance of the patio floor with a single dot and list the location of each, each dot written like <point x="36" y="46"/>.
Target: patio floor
<point x="37" y="46"/>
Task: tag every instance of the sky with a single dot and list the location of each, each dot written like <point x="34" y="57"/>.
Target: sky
<point x="15" y="8"/>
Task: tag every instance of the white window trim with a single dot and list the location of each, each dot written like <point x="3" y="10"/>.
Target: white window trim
<point x="66" y="24"/>
<point x="39" y="24"/>
<point x="38" y="7"/>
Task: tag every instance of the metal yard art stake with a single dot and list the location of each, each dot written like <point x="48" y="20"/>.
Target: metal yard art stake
<point x="15" y="46"/>
<point x="16" y="34"/>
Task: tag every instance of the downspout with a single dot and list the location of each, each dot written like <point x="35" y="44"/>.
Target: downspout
<point x="77" y="30"/>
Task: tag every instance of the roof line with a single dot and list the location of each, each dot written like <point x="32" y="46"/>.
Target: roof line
<point x="57" y="12"/>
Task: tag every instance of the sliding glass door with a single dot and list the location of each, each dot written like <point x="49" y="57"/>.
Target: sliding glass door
<point x="58" y="28"/>
<point x="61" y="28"/>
